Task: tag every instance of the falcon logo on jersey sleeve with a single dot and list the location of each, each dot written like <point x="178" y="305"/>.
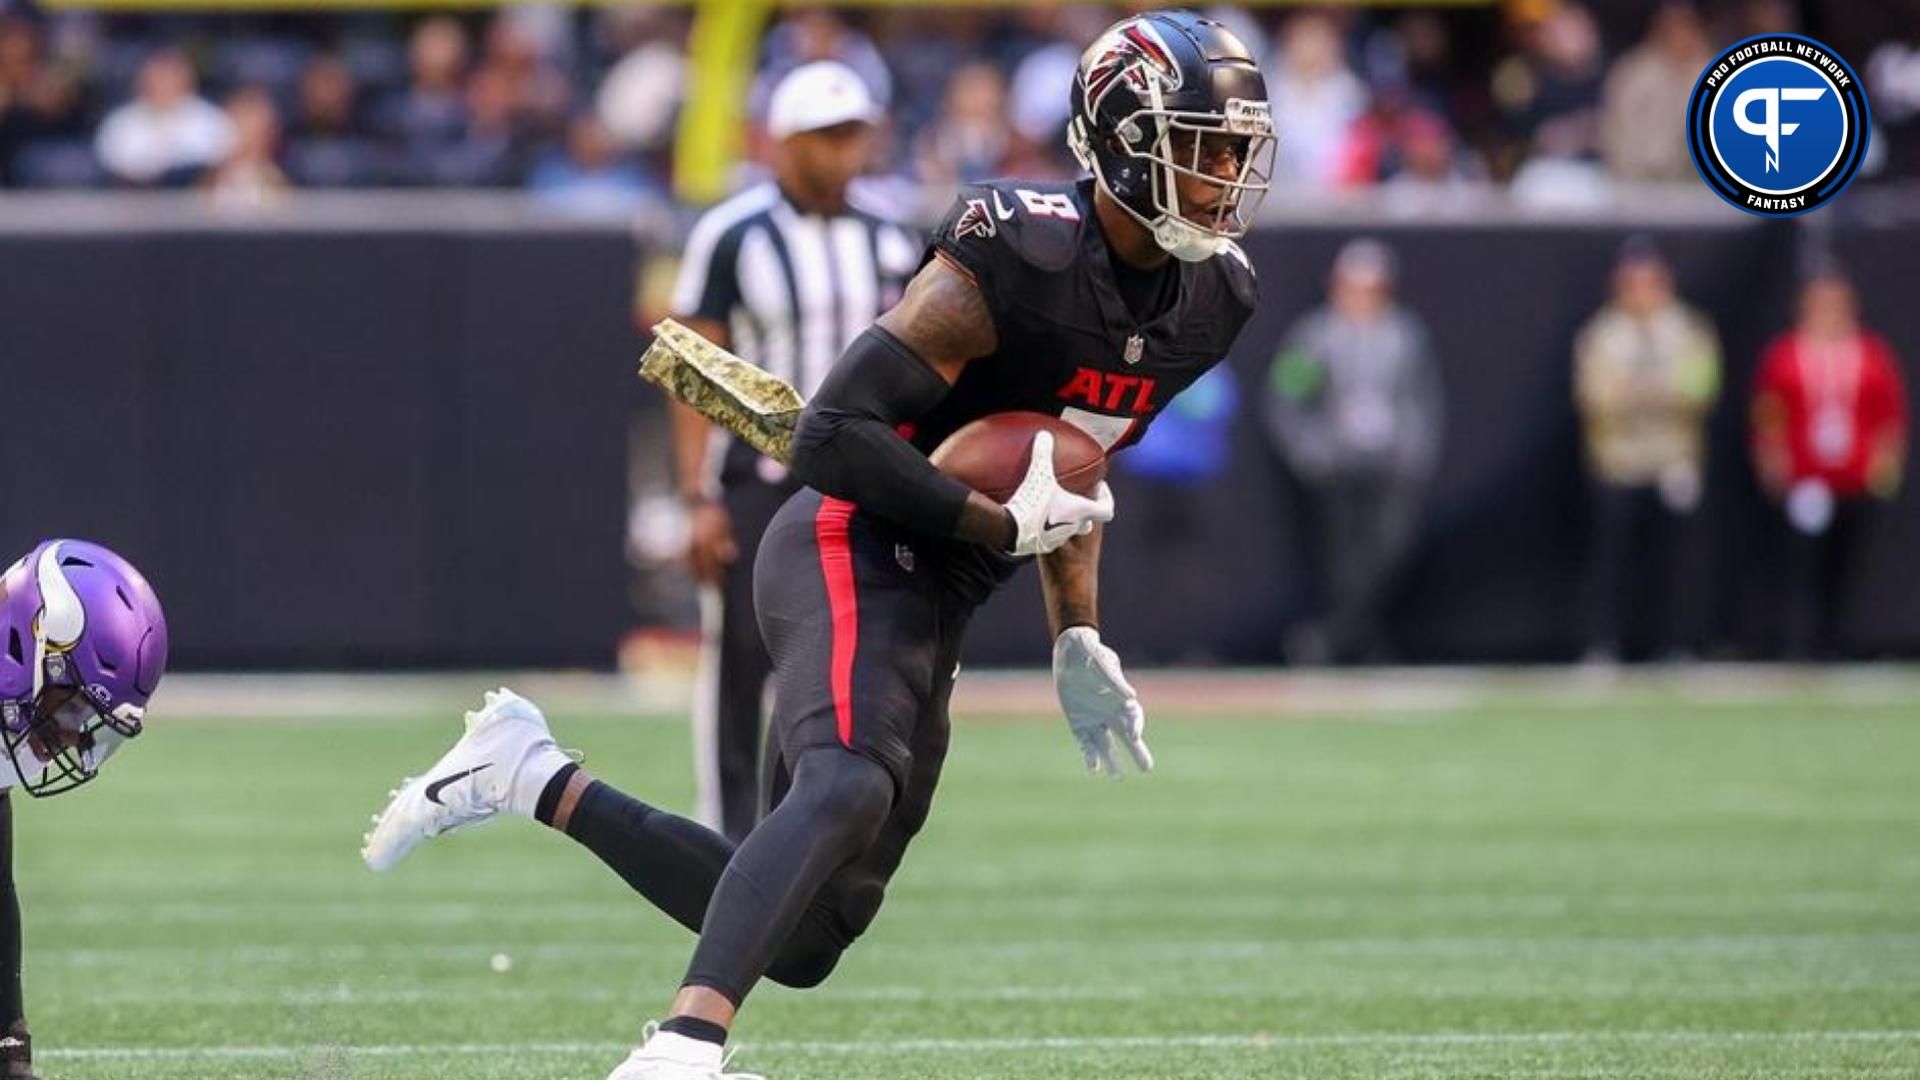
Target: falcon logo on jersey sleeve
<point x="975" y="220"/>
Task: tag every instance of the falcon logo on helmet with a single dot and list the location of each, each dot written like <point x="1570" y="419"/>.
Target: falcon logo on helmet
<point x="1132" y="50"/>
<point x="1167" y="101"/>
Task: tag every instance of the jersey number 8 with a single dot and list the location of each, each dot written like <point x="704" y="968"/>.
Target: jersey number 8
<point x="1053" y="204"/>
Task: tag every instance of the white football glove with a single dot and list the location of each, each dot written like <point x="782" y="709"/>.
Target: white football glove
<point x="1099" y="702"/>
<point x="1047" y="515"/>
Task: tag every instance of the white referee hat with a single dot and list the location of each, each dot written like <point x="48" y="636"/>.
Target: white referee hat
<point x="819" y="95"/>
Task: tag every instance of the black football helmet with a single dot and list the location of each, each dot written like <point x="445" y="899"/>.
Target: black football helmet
<point x="1156" y="93"/>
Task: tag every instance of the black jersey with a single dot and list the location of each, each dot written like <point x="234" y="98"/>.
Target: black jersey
<point x="1068" y="345"/>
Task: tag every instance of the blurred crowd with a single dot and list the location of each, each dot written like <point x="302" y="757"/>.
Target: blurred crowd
<point x="1353" y="405"/>
<point x="578" y="105"/>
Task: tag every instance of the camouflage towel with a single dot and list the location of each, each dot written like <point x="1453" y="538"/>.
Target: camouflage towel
<point x="759" y="408"/>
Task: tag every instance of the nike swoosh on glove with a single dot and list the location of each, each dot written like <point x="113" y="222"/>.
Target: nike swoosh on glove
<point x="1100" y="704"/>
<point x="1046" y="515"/>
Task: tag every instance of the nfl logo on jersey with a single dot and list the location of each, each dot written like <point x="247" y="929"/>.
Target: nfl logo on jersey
<point x="1136" y="346"/>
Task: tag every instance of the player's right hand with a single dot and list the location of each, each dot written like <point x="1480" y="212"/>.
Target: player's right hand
<point x="1046" y="515"/>
<point x="710" y="546"/>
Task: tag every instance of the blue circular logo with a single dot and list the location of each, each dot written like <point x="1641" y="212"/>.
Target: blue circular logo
<point x="1777" y="124"/>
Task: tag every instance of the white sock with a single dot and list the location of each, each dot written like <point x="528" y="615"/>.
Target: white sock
<point x="536" y="770"/>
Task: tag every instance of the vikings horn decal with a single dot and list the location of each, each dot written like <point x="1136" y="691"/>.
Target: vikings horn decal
<point x="62" y="617"/>
<point x="1134" y="50"/>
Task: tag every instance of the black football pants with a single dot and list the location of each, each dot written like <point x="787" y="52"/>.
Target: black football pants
<point x="864" y="642"/>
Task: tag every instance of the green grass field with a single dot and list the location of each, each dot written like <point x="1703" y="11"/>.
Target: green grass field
<point x="1535" y="884"/>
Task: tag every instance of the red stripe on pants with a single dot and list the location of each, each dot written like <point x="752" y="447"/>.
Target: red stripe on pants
<point x="836" y="566"/>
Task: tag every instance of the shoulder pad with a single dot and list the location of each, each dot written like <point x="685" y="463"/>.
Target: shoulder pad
<point x="1238" y="270"/>
<point x="1038" y="224"/>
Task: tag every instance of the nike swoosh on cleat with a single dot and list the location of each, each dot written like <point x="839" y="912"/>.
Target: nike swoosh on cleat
<point x="434" y="789"/>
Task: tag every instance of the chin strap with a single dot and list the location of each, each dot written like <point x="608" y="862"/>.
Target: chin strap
<point x="1185" y="241"/>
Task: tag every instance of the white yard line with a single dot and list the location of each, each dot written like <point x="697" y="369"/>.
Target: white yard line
<point x="1062" y="1043"/>
<point x="1462" y="946"/>
<point x="1422" y="988"/>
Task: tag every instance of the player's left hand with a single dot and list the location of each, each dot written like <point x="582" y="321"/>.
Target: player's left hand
<point x="1100" y="704"/>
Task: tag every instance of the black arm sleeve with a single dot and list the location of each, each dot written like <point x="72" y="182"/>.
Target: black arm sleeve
<point x="847" y="443"/>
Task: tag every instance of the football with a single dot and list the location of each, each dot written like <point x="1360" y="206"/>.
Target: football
<point x="990" y="455"/>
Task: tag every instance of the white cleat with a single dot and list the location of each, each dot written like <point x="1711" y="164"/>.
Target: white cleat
<point x="666" y="1056"/>
<point x="506" y="756"/>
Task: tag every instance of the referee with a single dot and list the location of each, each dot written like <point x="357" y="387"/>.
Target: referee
<point x="785" y="274"/>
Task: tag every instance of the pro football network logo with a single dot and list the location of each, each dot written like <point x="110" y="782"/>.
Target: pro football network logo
<point x="1778" y="125"/>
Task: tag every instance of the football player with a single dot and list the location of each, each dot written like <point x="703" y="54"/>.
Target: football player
<point x="1095" y="301"/>
<point x="82" y="646"/>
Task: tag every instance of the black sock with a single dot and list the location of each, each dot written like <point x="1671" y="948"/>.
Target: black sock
<point x="549" y="802"/>
<point x="671" y="861"/>
<point x="695" y="1028"/>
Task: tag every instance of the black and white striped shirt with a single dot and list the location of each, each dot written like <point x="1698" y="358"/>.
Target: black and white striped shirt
<point x="792" y="288"/>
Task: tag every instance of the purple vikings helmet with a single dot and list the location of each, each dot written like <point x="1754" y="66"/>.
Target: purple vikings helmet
<point x="82" y="646"/>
